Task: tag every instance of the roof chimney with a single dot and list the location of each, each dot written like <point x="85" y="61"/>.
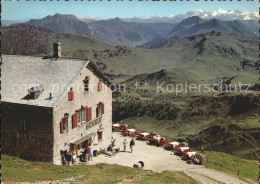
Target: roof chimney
<point x="57" y="49"/>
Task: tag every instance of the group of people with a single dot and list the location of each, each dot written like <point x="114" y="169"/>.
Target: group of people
<point x="132" y="144"/>
<point x="87" y="154"/>
<point x="113" y="149"/>
<point x="71" y="157"/>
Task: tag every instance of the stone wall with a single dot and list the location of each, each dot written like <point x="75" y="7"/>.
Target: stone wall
<point x="32" y="142"/>
<point x="82" y="98"/>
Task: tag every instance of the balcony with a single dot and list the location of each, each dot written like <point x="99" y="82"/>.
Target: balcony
<point x="94" y="122"/>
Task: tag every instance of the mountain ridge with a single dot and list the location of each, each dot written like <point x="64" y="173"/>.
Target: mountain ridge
<point x="195" y="25"/>
<point x="62" y="23"/>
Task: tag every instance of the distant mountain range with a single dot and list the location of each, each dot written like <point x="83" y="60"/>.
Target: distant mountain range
<point x="225" y="54"/>
<point x="195" y="25"/>
<point x="126" y="32"/>
<point x="220" y="14"/>
<point x="117" y="31"/>
<point x="114" y="31"/>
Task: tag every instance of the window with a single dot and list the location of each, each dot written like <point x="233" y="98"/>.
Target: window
<point x="64" y="123"/>
<point x="100" y="109"/>
<point x="86" y="83"/>
<point x="70" y="95"/>
<point x="82" y="115"/>
<point x="99" y="86"/>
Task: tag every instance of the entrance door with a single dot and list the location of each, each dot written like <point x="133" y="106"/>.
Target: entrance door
<point x="63" y="154"/>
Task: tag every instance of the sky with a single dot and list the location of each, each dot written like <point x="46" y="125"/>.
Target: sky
<point x="25" y="10"/>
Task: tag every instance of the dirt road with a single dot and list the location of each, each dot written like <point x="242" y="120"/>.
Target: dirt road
<point x="158" y="159"/>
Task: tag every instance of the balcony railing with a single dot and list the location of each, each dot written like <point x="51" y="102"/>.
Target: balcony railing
<point x="94" y="122"/>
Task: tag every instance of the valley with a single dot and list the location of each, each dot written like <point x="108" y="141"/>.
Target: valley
<point x="236" y="57"/>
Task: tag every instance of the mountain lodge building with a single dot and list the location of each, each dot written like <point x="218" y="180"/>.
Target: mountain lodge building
<point x="51" y="106"/>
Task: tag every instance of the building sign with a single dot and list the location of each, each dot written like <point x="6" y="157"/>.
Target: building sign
<point x="93" y="123"/>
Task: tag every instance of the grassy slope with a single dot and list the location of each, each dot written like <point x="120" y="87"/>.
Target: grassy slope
<point x="168" y="128"/>
<point x="195" y="120"/>
<point x="166" y="177"/>
<point x="231" y="164"/>
<point x="16" y="169"/>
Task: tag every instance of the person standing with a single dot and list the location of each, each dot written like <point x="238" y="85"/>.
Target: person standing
<point x="125" y="144"/>
<point x="74" y="158"/>
<point x="84" y="157"/>
<point x="90" y="157"/>
<point x="87" y="152"/>
<point x="68" y="158"/>
<point x="132" y="144"/>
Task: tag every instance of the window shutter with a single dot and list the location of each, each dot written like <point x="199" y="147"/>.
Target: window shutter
<point x="99" y="86"/>
<point x="70" y="95"/>
<point x="103" y="108"/>
<point x="89" y="114"/>
<point x="61" y="126"/>
<point x="74" y="120"/>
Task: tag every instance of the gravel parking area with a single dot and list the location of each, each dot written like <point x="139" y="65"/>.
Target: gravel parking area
<point x="157" y="159"/>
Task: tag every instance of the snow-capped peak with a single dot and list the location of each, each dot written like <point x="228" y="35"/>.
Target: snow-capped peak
<point x="218" y="12"/>
<point x="199" y="11"/>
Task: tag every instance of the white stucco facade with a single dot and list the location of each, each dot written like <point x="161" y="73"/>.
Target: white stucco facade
<point x="83" y="98"/>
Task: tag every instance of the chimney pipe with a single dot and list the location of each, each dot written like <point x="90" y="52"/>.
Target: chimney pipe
<point x="57" y="49"/>
<point x="50" y="96"/>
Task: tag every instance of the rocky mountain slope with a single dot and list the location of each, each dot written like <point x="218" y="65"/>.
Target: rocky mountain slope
<point x="61" y="24"/>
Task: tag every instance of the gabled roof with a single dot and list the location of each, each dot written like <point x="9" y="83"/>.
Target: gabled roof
<point x="20" y="73"/>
